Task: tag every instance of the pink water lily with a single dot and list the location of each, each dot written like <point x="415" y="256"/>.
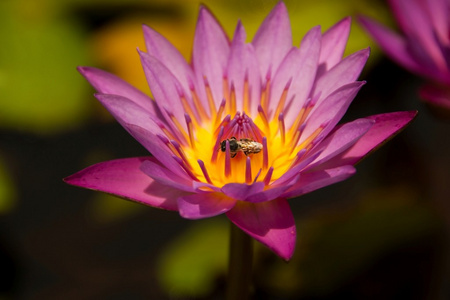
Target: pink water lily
<point x="287" y="99"/>
<point x="422" y="47"/>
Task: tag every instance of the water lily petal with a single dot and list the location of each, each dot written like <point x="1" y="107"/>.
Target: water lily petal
<point x="273" y="40"/>
<point x="123" y="178"/>
<point x="342" y="139"/>
<point x="417" y="25"/>
<point x="344" y="72"/>
<point x="157" y="148"/>
<point x="160" y="48"/>
<point x="291" y="176"/>
<point x="438" y="16"/>
<point x="299" y="67"/>
<point x="242" y="66"/>
<point x="393" y="44"/>
<point x="334" y="41"/>
<point x="436" y="96"/>
<point x="330" y="111"/>
<point x="162" y="175"/>
<point x="107" y="83"/>
<point x="240" y="191"/>
<point x="270" y="223"/>
<point x="312" y="181"/>
<point x="386" y="126"/>
<point x="204" y="205"/>
<point x="127" y="111"/>
<point x="210" y="53"/>
<point x="269" y="194"/>
<point x="165" y="88"/>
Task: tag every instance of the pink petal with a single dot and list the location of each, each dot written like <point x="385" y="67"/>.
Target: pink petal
<point x="273" y="40"/>
<point x="210" y="53"/>
<point x="162" y="175"/>
<point x="243" y="65"/>
<point x="342" y="139"/>
<point x="270" y="223"/>
<point x="315" y="180"/>
<point x="269" y="194"/>
<point x="300" y="67"/>
<point x="417" y="25"/>
<point x="334" y="41"/>
<point x="165" y="88"/>
<point x="123" y="178"/>
<point x="107" y="83"/>
<point x="126" y="112"/>
<point x="240" y="191"/>
<point x="343" y="73"/>
<point x="330" y="111"/>
<point x="160" y="48"/>
<point x="157" y="148"/>
<point x="204" y="205"/>
<point x="438" y="14"/>
<point x="394" y="45"/>
<point x="436" y="96"/>
<point x="292" y="175"/>
<point x="386" y="126"/>
<point x="256" y="192"/>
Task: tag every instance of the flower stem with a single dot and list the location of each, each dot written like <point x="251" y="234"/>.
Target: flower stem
<point x="240" y="264"/>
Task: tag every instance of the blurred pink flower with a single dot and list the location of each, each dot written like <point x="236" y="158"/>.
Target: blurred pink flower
<point x="423" y="47"/>
<point x="285" y="99"/>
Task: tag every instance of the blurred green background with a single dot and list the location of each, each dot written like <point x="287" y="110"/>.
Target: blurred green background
<point x="383" y="234"/>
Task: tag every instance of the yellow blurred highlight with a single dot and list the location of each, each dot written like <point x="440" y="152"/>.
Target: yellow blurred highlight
<point x="8" y="194"/>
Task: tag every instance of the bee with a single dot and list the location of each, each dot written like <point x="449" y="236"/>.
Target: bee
<point x="248" y="146"/>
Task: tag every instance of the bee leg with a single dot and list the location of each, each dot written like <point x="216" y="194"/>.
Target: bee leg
<point x="233" y="155"/>
<point x="246" y="153"/>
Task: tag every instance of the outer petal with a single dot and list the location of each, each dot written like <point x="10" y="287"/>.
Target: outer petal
<point x="157" y="148"/>
<point x="334" y="41"/>
<point x="270" y="223"/>
<point x="343" y="73"/>
<point x="210" y="53"/>
<point x="438" y="14"/>
<point x="107" y="83"/>
<point x="291" y="176"/>
<point x="436" y="96"/>
<point x="165" y="88"/>
<point x="269" y="194"/>
<point x="342" y="139"/>
<point x="204" y="205"/>
<point x="417" y="25"/>
<point x="126" y="112"/>
<point x="386" y="126"/>
<point x="273" y="40"/>
<point x="241" y="191"/>
<point x="254" y="192"/>
<point x="164" y="176"/>
<point x="160" y="48"/>
<point x="394" y="45"/>
<point x="330" y="111"/>
<point x="315" y="180"/>
<point x="123" y="178"/>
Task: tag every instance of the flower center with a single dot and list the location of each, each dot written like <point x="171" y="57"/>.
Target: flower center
<point x="219" y="149"/>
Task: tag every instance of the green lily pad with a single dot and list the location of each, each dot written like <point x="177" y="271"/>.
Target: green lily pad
<point x="190" y="264"/>
<point x="40" y="89"/>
